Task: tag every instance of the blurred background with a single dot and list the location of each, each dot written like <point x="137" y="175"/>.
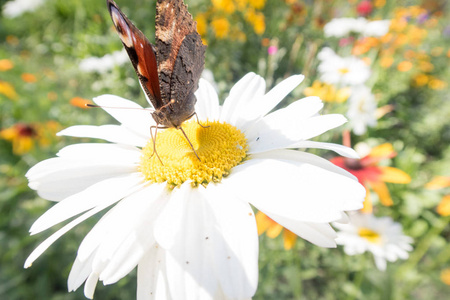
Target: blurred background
<point x="382" y="63"/>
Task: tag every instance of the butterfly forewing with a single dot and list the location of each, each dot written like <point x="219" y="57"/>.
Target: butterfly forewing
<point x="141" y="53"/>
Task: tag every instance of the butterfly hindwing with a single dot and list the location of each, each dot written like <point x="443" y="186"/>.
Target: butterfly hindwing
<point x="141" y="53"/>
<point x="173" y="24"/>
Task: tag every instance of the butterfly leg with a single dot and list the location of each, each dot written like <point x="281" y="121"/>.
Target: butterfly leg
<point x="154" y="141"/>
<point x="189" y="142"/>
<point x="198" y="121"/>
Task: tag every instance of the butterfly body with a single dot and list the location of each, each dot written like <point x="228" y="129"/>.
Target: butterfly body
<point x="168" y="71"/>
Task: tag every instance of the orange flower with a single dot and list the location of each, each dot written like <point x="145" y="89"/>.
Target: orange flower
<point x="404" y="66"/>
<point x="372" y="175"/>
<point x="273" y="229"/>
<point x="80" y="102"/>
<point x="5" y="65"/>
<point x="443" y="207"/>
<point x="438" y="182"/>
<point x="28" y="77"/>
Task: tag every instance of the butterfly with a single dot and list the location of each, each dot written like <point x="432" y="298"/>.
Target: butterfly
<point x="168" y="71"/>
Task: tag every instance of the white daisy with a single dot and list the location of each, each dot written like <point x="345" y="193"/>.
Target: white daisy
<point x="344" y="71"/>
<point x="188" y="225"/>
<point x="104" y="63"/>
<point x="362" y="109"/>
<point x="341" y="27"/>
<point x="15" y="8"/>
<point x="382" y="237"/>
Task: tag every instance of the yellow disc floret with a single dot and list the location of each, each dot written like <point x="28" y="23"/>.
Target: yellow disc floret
<point x="220" y="147"/>
<point x="370" y="235"/>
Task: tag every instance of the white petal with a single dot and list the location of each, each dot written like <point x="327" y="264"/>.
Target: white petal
<point x="89" y="286"/>
<point x="168" y="223"/>
<point x="296" y="190"/>
<point x="152" y="281"/>
<point x="284" y="130"/>
<point x="240" y="94"/>
<point x="128" y="113"/>
<point x="189" y="261"/>
<point x="50" y="240"/>
<point x="108" y="233"/>
<point x="339" y="149"/>
<point x="58" y="178"/>
<point x="235" y="242"/>
<point x="320" y="234"/>
<point x="79" y="273"/>
<point x="275" y="95"/>
<point x="114" y="153"/>
<point x="304" y="157"/>
<point x="105" y="192"/>
<point x="207" y="106"/>
<point x="112" y="133"/>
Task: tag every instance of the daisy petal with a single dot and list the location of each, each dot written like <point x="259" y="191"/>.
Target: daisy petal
<point x="189" y="261"/>
<point x="306" y="199"/>
<point x="235" y="242"/>
<point x="105" y="192"/>
<point x="54" y="237"/>
<point x="275" y="95"/>
<point x="112" y="153"/>
<point x="152" y="282"/>
<point x="58" y="178"/>
<point x="339" y="149"/>
<point x="322" y="235"/>
<point x="251" y="85"/>
<point x="207" y="106"/>
<point x="111" y="133"/>
<point x="128" y="113"/>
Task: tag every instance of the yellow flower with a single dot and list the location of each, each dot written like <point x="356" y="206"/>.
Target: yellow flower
<point x="404" y="66"/>
<point x="420" y="80"/>
<point x="273" y="229"/>
<point x="257" y="4"/>
<point x="257" y="20"/>
<point x="201" y="24"/>
<point x="5" y="65"/>
<point x="328" y="92"/>
<point x="444" y="206"/>
<point x="221" y="27"/>
<point x="8" y="90"/>
<point x="445" y="276"/>
<point x="437" y="84"/>
<point x="379" y="3"/>
<point x="24" y="136"/>
<point x="386" y="61"/>
<point x="224" y="5"/>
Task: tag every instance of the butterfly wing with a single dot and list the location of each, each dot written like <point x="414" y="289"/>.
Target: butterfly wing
<point x="141" y="53"/>
<point x="173" y="24"/>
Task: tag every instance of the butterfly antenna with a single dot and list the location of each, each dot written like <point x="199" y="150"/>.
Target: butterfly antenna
<point x="101" y="106"/>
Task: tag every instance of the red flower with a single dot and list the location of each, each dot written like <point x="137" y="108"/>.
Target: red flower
<point x="364" y="8"/>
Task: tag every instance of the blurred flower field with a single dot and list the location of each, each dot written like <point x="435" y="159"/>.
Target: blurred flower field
<point x="383" y="64"/>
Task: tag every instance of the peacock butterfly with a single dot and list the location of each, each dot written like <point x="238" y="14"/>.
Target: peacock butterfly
<point x="168" y="71"/>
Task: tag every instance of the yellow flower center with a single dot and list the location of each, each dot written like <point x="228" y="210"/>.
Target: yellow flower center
<point x="344" y="70"/>
<point x="370" y="235"/>
<point x="220" y="147"/>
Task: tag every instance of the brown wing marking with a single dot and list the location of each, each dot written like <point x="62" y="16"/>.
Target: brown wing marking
<point x="173" y="24"/>
<point x="141" y="53"/>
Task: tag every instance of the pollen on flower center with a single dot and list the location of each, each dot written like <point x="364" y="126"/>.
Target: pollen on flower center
<point x="370" y="235"/>
<point x="344" y="70"/>
<point x="220" y="147"/>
